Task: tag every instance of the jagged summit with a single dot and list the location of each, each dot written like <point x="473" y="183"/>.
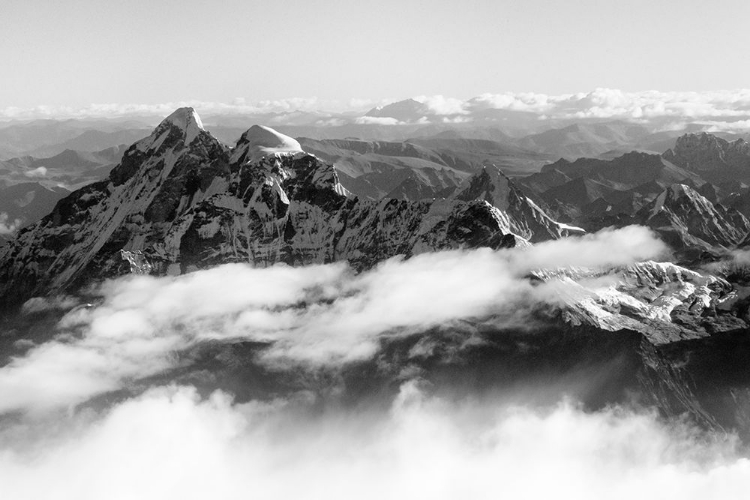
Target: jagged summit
<point x="183" y="125"/>
<point x="683" y="194"/>
<point x="522" y="216"/>
<point x="259" y="141"/>
<point x="187" y="120"/>
<point x="711" y="156"/>
<point x="181" y="134"/>
<point x="491" y="185"/>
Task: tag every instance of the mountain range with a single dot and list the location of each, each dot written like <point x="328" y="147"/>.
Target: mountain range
<point x="187" y="201"/>
<point x="179" y="201"/>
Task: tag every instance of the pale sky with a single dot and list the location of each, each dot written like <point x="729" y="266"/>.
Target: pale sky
<point x="79" y="52"/>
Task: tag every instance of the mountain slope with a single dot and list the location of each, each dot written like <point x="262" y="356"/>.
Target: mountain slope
<point x="186" y="201"/>
<point x="593" y="193"/>
<point x="374" y="169"/>
<point x="585" y="140"/>
<point x="522" y="215"/>
<point x="714" y="158"/>
<point x="665" y="302"/>
<point x="690" y="223"/>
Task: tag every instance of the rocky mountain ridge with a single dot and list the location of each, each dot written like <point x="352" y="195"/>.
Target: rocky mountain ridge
<point x="688" y="221"/>
<point x="187" y="201"/>
<point x="665" y="302"/>
<point x="708" y="154"/>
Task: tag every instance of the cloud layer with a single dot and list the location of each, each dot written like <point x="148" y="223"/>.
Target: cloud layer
<point x="721" y="110"/>
<point x="316" y="316"/>
<point x="168" y="442"/>
<point x="613" y="103"/>
<point x="171" y="444"/>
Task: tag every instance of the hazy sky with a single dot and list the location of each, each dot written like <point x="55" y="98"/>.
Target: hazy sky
<point x="78" y="52"/>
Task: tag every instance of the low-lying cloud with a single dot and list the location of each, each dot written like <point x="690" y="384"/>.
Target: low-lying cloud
<point x="377" y="120"/>
<point x="315" y="316"/>
<point x="36" y="173"/>
<point x="171" y="444"/>
<point x="8" y="226"/>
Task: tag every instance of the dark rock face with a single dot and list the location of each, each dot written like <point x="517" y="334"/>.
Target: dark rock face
<point x="187" y="202"/>
<point x="688" y="221"/>
<point x="691" y="195"/>
<point x="629" y="170"/>
<point x="522" y="215"/>
<point x="714" y="158"/>
<point x="594" y="193"/>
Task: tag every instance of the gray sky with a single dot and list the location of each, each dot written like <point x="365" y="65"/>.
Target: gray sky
<point x="78" y="52"/>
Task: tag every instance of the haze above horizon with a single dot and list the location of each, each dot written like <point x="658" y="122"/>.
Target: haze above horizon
<point x="351" y="55"/>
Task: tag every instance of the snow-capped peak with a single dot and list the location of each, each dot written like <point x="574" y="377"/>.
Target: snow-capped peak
<point x="678" y="190"/>
<point x="259" y="141"/>
<point x="187" y="120"/>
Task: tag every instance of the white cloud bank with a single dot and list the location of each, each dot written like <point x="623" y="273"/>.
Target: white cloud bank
<point x="311" y="316"/>
<point x="170" y="444"/>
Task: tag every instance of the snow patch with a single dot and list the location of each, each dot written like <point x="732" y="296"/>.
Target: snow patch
<point x="560" y="225"/>
<point x="568" y="227"/>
